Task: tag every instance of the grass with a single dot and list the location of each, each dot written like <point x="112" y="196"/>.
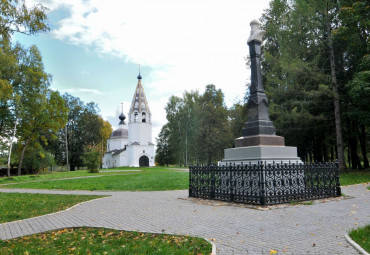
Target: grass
<point x="294" y="202"/>
<point x="150" y="179"/>
<point x="58" y="175"/>
<point x="362" y="237"/>
<point x="354" y="177"/>
<point x="17" y="206"/>
<point x="103" y="241"/>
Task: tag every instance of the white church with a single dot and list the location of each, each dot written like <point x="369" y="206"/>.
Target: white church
<point x="131" y="145"/>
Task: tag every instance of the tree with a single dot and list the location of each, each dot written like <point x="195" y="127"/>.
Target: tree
<point x="237" y="118"/>
<point x="91" y="159"/>
<point x="41" y="111"/>
<point x="163" y="155"/>
<point x="353" y="35"/>
<point x="175" y="125"/>
<point x="214" y="130"/>
<point x="84" y="128"/>
<point x="16" y="17"/>
<point x="105" y="132"/>
<point x="198" y="129"/>
<point x="312" y="53"/>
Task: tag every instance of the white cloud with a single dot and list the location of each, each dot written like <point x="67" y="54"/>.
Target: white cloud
<point x="188" y="44"/>
<point x="93" y="91"/>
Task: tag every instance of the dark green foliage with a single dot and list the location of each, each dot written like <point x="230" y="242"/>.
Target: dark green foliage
<point x="83" y="129"/>
<point x="163" y="155"/>
<point x="298" y="79"/>
<point x="38" y="159"/>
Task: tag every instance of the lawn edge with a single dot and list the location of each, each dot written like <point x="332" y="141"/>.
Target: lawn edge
<point x="48" y="214"/>
<point x="213" y="251"/>
<point x="356" y="184"/>
<point x="355" y="245"/>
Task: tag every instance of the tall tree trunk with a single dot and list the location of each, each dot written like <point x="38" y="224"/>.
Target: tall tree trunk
<point x="362" y="138"/>
<point x="349" y="156"/>
<point x="11" y="147"/>
<point x="22" y="156"/>
<point x="67" y="161"/>
<point x="356" y="164"/>
<point x="334" y="82"/>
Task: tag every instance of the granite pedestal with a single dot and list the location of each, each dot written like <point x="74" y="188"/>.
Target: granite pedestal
<point x="266" y="154"/>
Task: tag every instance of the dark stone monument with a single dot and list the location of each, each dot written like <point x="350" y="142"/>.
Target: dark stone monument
<point x="259" y="141"/>
<point x="259" y="129"/>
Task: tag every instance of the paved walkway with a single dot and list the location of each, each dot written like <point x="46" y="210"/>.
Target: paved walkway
<point x="302" y="229"/>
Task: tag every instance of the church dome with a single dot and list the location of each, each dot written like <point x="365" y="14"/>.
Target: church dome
<point x="120" y="133"/>
<point x="122" y="118"/>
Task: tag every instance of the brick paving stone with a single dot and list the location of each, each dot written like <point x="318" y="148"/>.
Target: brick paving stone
<point x="299" y="229"/>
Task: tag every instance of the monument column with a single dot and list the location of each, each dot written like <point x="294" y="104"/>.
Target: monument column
<point x="259" y="129"/>
<point x="259" y="141"/>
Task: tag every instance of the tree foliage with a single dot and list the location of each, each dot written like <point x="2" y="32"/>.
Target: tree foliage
<point x="308" y="44"/>
<point x="15" y="16"/>
<point x="31" y="113"/>
<point x="197" y="131"/>
<point x="84" y="129"/>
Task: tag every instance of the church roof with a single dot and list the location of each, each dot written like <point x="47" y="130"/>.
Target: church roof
<point x="139" y="102"/>
<point x="120" y="133"/>
<point x="115" y="152"/>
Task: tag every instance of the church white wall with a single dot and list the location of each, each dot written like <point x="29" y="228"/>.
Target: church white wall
<point x="140" y="132"/>
<point x="107" y="161"/>
<point x="136" y="151"/>
<point x="116" y="143"/>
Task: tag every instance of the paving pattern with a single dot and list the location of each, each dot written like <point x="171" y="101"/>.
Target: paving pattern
<point x="300" y="229"/>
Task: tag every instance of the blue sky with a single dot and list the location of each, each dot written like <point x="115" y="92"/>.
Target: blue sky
<point x="94" y="49"/>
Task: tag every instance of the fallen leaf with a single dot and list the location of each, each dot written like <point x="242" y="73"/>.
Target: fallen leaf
<point x="273" y="252"/>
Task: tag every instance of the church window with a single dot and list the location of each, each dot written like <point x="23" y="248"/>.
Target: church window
<point x="135" y="119"/>
<point x="143" y="117"/>
<point x="136" y="105"/>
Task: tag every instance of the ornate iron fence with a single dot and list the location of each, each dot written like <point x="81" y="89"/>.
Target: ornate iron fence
<point x="264" y="184"/>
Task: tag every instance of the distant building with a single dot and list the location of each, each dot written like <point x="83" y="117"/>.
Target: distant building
<point x="132" y="145"/>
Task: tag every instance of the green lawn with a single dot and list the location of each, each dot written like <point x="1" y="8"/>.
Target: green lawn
<point x="103" y="241"/>
<point x="58" y="175"/>
<point x="362" y="237"/>
<point x="17" y="206"/>
<point x="149" y="179"/>
<point x="354" y="177"/>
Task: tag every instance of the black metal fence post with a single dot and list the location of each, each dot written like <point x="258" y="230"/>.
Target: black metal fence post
<point x="231" y="186"/>
<point x="212" y="182"/>
<point x="262" y="183"/>
<point x="339" y="191"/>
<point x="190" y="181"/>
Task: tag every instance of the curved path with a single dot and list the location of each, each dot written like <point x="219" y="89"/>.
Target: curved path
<point x="301" y="229"/>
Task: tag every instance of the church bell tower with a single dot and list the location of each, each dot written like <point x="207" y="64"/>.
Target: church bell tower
<point x="140" y="129"/>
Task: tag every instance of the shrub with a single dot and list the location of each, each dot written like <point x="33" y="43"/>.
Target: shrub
<point x="91" y="160"/>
